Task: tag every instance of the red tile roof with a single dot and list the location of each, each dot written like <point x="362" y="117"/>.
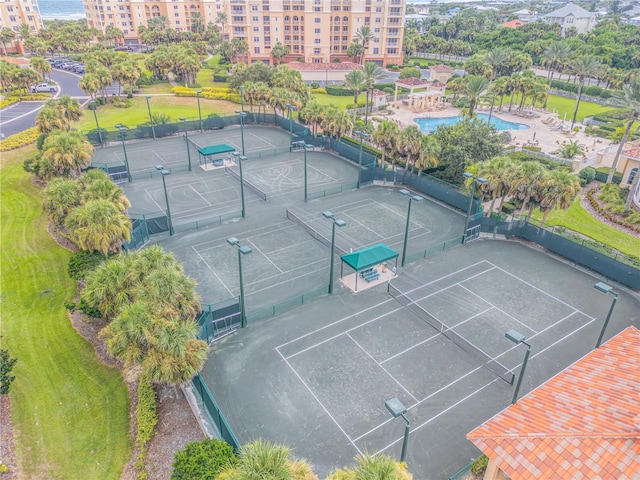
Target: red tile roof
<point x="632" y="152"/>
<point x="323" y="66"/>
<point x="379" y="93"/>
<point x="581" y="424"/>
<point x="413" y="82"/>
<point x="441" y="68"/>
<point x="17" y="60"/>
<point x="513" y="23"/>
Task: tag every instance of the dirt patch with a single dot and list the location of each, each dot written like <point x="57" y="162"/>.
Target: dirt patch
<point x="7" y="448"/>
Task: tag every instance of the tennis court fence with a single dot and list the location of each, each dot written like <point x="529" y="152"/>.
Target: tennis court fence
<point x="490" y="363"/>
<point x="246" y="183"/>
<point x="314" y="233"/>
<point x="213" y="411"/>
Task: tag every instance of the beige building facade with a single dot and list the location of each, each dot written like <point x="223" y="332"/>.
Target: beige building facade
<point x="316" y="31"/>
<point x="13" y="14"/>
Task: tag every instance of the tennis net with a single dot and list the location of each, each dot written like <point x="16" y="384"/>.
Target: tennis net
<point x="490" y="363"/>
<point x="246" y="182"/>
<point x="314" y="233"/>
<point x="192" y="144"/>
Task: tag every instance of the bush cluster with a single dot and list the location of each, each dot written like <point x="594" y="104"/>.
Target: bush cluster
<point x="21" y="139"/>
<point x="587" y="175"/>
<point x="479" y="465"/>
<point x="212" y="93"/>
<point x="202" y="460"/>
<point x="83" y="262"/>
<point x="147" y="417"/>
<point x="338" y="91"/>
<point x="602" y="173"/>
<point x="591" y="90"/>
<point x="632" y="221"/>
<point x="508" y="208"/>
<point x="221" y="78"/>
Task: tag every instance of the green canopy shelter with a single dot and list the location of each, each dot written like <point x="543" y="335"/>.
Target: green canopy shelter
<point x="212" y="150"/>
<point x="368" y="257"/>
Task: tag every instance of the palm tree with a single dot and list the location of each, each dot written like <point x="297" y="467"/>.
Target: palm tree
<point x="526" y="182"/>
<point x="355" y="80"/>
<point x="99" y="225"/>
<point x="476" y="86"/>
<point x="170" y="292"/>
<point x="264" y="460"/>
<point x="410" y="144"/>
<point x="559" y="191"/>
<point x="312" y="114"/>
<point x="364" y="35"/>
<point x="279" y="51"/>
<point x="41" y="66"/>
<point x="50" y="119"/>
<point x="372" y="73"/>
<point x="628" y="98"/>
<point x="68" y="152"/>
<point x="338" y="123"/>
<point x="6" y="35"/>
<point x="60" y="197"/>
<point x="355" y="51"/>
<point x="572" y="150"/>
<point x="587" y="66"/>
<point x="69" y="108"/>
<point x="105" y="189"/>
<point x="499" y="173"/>
<point x="221" y="18"/>
<point x="554" y="57"/>
<point x="385" y="137"/>
<point x="429" y="155"/>
<point x="89" y="83"/>
<point x="497" y="58"/>
<point x="369" y="467"/>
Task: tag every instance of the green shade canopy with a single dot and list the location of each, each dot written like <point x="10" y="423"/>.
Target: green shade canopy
<point x="216" y="149"/>
<point x="369" y="256"/>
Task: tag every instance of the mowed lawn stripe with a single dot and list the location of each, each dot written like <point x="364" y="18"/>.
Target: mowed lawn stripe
<point x="70" y="412"/>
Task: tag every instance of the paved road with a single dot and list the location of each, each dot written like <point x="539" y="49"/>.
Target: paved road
<point x="19" y="117"/>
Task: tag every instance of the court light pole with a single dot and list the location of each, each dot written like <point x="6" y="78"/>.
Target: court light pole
<point x="242" y="114"/>
<point x="362" y="136"/>
<point x="239" y="159"/>
<point x="412" y="197"/>
<point x="306" y="147"/>
<point x="153" y="129"/>
<point x="186" y="136"/>
<point x="123" y="132"/>
<point x="242" y="250"/>
<point x="397" y="409"/>
<point x="93" y="107"/>
<point x="198" y="93"/>
<point x="604" y="288"/>
<point x="164" y="172"/>
<point x="473" y="193"/>
<point x="517" y="338"/>
<point x="291" y="108"/>
<point x="336" y="223"/>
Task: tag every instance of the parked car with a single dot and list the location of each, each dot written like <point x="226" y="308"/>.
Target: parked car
<point x="79" y="69"/>
<point x="123" y="48"/>
<point x="44" y="87"/>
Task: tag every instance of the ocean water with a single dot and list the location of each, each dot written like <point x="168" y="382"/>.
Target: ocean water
<point x="61" y="9"/>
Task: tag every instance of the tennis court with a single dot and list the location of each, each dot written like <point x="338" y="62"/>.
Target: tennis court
<point x="317" y="378"/>
<point x="171" y="152"/>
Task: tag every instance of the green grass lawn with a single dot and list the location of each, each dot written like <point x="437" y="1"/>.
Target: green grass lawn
<point x="70" y="412"/>
<point x="339" y="102"/>
<point x="164" y="87"/>
<point x="579" y="220"/>
<point x="566" y="105"/>
<point x="174" y="107"/>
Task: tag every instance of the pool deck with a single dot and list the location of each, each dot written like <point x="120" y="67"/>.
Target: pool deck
<point x="543" y="131"/>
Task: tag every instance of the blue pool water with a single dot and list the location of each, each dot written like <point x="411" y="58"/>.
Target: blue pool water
<point x="429" y="125"/>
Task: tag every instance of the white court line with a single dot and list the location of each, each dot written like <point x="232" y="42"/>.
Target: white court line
<point x="268" y="259"/>
<point x="156" y="154"/>
<point x="320" y="403"/>
<point x="248" y="233"/>
<point x="358" y="223"/>
<point x="198" y="193"/>
<point x="410" y="348"/>
<point x="497" y="308"/>
<point x="374" y="306"/>
<point x="149" y="192"/>
<point x="284" y="281"/>
<point x="260" y="138"/>
<point x="118" y="158"/>
<point x="383" y="369"/>
<point x="214" y="273"/>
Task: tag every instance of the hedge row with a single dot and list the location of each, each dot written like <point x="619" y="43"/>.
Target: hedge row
<point x="591" y="90"/>
<point x="147" y="417"/>
<point x="21" y="139"/>
<point x="602" y="174"/>
<point x="365" y="148"/>
<point x="338" y="91"/>
<point x="212" y="93"/>
<point x="15" y="98"/>
<point x="591" y="195"/>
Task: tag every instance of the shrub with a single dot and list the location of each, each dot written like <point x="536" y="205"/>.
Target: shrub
<point x="88" y="310"/>
<point x="603" y="172"/>
<point x="18" y="140"/>
<point x="508" y="208"/>
<point x="315" y="85"/>
<point x="479" y="465"/>
<point x="147" y="417"/>
<point x="202" y="460"/>
<point x="588" y="175"/>
<point x="83" y="262"/>
<point x="338" y="91"/>
<point x="319" y="90"/>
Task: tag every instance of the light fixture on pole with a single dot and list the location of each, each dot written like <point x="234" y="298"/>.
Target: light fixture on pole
<point x="92" y="106"/>
<point x="242" y="114"/>
<point x="186" y="136"/>
<point x="362" y="136"/>
<point x="336" y="223"/>
<point x="473" y="193"/>
<point x="198" y="93"/>
<point x="397" y="409"/>
<point x="412" y="197"/>
<point x="242" y="250"/>
<point x="153" y="129"/>
<point x="306" y="147"/>
<point x="604" y="288"/>
<point x="517" y="338"/>
<point x="123" y="132"/>
<point x="239" y="159"/>
<point x="164" y="172"/>
<point x="291" y="108"/>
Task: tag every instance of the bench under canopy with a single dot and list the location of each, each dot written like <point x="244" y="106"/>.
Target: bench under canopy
<point x="368" y="257"/>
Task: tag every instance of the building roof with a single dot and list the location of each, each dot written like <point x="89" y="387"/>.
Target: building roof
<point x="23" y="62"/>
<point x="323" y="66"/>
<point x="413" y="82"/>
<point x="441" y="68"/>
<point x="583" y="423"/>
<point x="379" y="93"/>
<point x="513" y="23"/>
<point x="369" y="256"/>
<point x="632" y="152"/>
<point x="216" y="149"/>
<point x="570" y="9"/>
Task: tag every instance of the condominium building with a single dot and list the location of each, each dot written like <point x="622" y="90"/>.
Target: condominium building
<point x="316" y="31"/>
<point x="13" y="14"/>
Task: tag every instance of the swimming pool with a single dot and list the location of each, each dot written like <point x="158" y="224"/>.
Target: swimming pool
<point x="430" y="124"/>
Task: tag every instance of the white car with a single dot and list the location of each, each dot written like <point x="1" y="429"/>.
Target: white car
<point x="44" y="87"/>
